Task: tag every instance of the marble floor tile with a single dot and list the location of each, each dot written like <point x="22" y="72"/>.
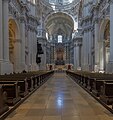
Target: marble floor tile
<point x="51" y="118"/>
<point x="52" y="112"/>
<point x="35" y="112"/>
<point x="71" y="118"/>
<point x="69" y="112"/>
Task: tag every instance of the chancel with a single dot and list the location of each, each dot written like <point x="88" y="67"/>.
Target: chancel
<point x="56" y="59"/>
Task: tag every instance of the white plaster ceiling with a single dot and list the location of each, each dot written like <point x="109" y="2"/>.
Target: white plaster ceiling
<point x="59" y="23"/>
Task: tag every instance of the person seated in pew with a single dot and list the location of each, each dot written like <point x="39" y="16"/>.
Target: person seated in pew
<point x="24" y="71"/>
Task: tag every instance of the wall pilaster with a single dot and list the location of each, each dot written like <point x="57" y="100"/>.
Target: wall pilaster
<point x="89" y="49"/>
<point x="5" y="65"/>
<point x="5" y="30"/>
<point x="29" y="50"/>
<point x="110" y="64"/>
<point x="17" y="55"/>
<point x="1" y="35"/>
<point x="96" y="47"/>
<point x="23" y="42"/>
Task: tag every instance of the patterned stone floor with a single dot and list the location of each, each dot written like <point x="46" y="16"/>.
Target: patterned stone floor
<point x="60" y="99"/>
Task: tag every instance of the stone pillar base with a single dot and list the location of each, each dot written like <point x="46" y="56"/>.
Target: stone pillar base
<point x="18" y="70"/>
<point x="109" y="68"/>
<point x="6" y="67"/>
<point x="78" y="68"/>
<point x="23" y="66"/>
<point x="75" y="68"/>
<point x="85" y="68"/>
<point x="96" y="68"/>
<point x="42" y="67"/>
<point x="18" y="67"/>
<point x="34" y="67"/>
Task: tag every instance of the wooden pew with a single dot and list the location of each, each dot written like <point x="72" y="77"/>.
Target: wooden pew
<point x="23" y="84"/>
<point x="3" y="98"/>
<point x="88" y="80"/>
<point x="19" y="77"/>
<point x="106" y="94"/>
<point x="26" y="81"/>
<point x="97" y="83"/>
<point x="91" y="80"/>
<point x="12" y="90"/>
<point x="101" y="85"/>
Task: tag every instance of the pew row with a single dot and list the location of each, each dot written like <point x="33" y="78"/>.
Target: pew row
<point x="13" y="92"/>
<point x="19" y="85"/>
<point x="97" y="84"/>
<point x="3" y="98"/>
<point x="106" y="93"/>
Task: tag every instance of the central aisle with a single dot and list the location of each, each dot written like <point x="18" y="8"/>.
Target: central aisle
<point x="60" y="99"/>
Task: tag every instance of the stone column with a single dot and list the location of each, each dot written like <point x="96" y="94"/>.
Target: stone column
<point x="75" y="65"/>
<point x="110" y="64"/>
<point x="34" y="50"/>
<point x="5" y="65"/>
<point x="29" y="50"/>
<point x="85" y="49"/>
<point x="1" y="35"/>
<point x="89" y="47"/>
<point x="17" y="52"/>
<point x="96" y="67"/>
<point x="102" y="55"/>
<point x="5" y="30"/>
<point x="23" y="43"/>
<point x="34" y="43"/>
<point x="80" y="54"/>
<point x="83" y="53"/>
<point x="77" y="55"/>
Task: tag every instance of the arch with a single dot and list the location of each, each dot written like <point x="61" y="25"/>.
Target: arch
<point x="102" y="27"/>
<point x="16" y="25"/>
<point x="104" y="50"/>
<point x="61" y="17"/>
<point x="59" y="21"/>
<point x="64" y="13"/>
<point x="14" y="36"/>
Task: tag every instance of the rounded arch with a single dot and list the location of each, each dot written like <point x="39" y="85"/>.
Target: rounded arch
<point x="102" y="27"/>
<point x="14" y="36"/>
<point x="65" y="13"/>
<point x="59" y="21"/>
<point x="15" y="26"/>
<point x="104" y="44"/>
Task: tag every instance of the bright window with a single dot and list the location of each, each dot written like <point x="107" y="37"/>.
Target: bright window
<point x="59" y="38"/>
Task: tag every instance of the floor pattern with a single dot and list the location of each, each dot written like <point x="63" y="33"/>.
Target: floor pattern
<point x="60" y="99"/>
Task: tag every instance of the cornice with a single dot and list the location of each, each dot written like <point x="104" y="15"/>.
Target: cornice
<point x="110" y="1"/>
<point x="6" y="0"/>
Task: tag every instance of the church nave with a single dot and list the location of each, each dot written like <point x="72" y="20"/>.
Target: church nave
<point x="60" y="99"/>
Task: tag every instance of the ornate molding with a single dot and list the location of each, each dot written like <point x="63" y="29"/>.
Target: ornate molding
<point x="14" y="12"/>
<point x="6" y="0"/>
<point x="22" y="19"/>
<point x="110" y="1"/>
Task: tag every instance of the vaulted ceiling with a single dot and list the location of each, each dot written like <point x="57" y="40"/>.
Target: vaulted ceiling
<point x="59" y="23"/>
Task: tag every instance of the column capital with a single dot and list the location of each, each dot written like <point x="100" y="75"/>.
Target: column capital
<point x="6" y="0"/>
<point x="22" y="19"/>
<point x="96" y="19"/>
